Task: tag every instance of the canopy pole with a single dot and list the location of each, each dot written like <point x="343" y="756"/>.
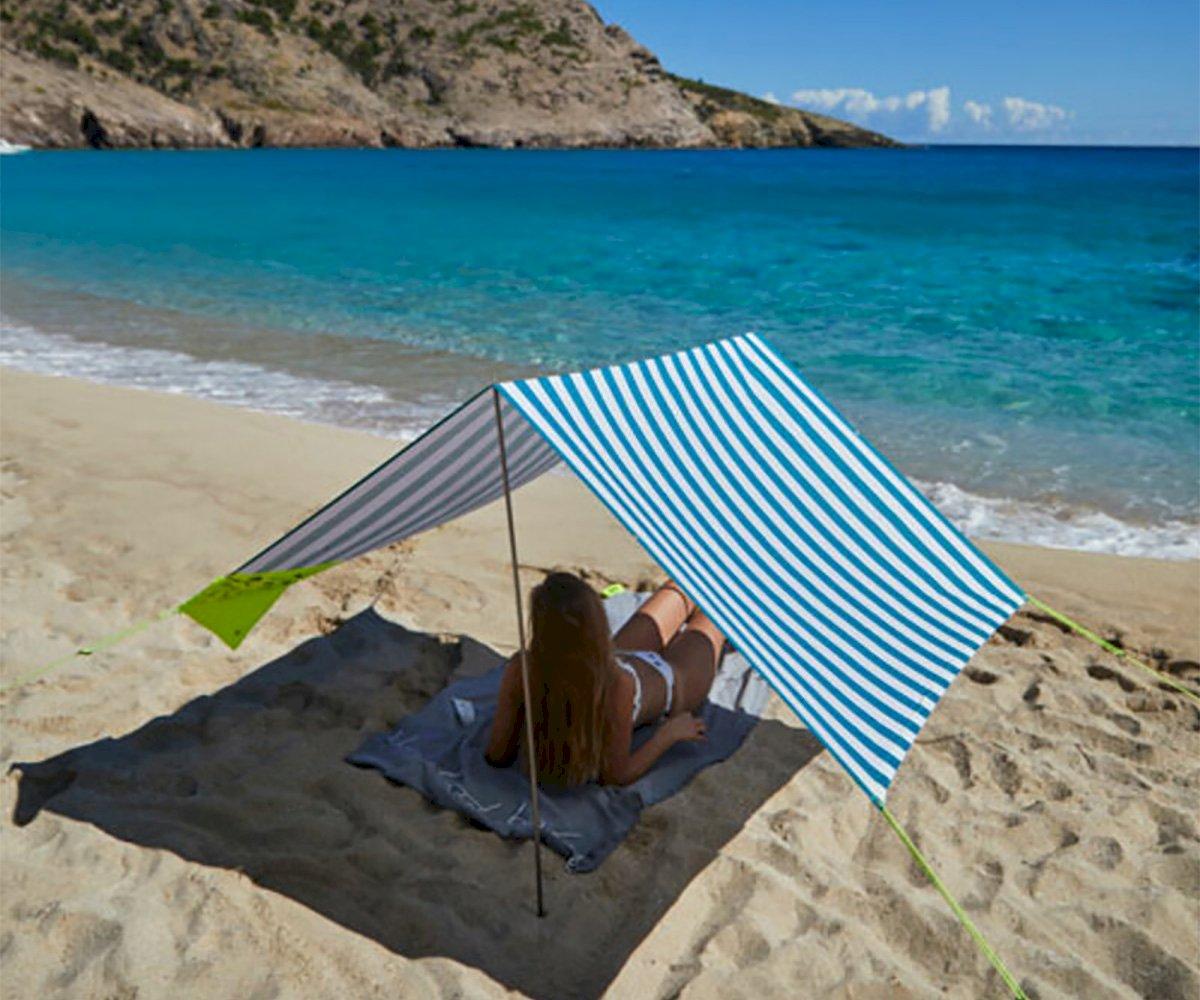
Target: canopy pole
<point x="532" y="757"/>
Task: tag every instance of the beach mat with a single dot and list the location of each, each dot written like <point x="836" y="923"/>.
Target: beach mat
<point x="439" y="752"/>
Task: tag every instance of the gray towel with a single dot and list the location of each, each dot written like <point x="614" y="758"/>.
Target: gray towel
<point x="439" y="752"/>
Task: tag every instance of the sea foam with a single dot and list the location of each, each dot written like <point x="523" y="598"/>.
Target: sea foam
<point x="236" y="383"/>
<point x="370" y="408"/>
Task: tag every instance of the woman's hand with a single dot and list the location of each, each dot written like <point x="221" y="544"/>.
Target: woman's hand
<point x="622" y="767"/>
<point x="685" y="728"/>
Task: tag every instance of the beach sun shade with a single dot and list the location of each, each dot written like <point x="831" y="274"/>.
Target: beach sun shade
<point x="838" y="581"/>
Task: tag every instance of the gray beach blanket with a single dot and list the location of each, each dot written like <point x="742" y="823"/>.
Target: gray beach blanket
<point x="439" y="752"/>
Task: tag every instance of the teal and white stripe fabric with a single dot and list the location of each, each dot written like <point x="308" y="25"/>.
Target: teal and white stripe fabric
<point x="835" y="577"/>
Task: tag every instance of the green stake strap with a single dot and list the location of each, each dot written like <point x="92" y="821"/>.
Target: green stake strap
<point x="1115" y="650"/>
<point x="1009" y="980"/>
<point x="229" y="607"/>
<point x="96" y="647"/>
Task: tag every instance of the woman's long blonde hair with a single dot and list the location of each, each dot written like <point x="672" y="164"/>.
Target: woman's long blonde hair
<point x="570" y="670"/>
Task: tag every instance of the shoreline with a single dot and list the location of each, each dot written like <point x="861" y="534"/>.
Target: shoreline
<point x="206" y="834"/>
<point x="400" y="411"/>
<point x="195" y="429"/>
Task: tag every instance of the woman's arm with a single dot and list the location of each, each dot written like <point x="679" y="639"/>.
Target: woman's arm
<point x="506" y="726"/>
<point x="622" y="767"/>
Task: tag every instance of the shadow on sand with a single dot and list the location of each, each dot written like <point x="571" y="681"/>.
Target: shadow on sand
<point x="252" y="779"/>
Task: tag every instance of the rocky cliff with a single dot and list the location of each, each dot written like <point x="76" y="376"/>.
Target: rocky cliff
<point x="183" y="73"/>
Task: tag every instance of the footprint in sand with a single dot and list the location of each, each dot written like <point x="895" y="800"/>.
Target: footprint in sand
<point x="1005" y="772"/>
<point x="1144" y="966"/>
<point x="1104" y="852"/>
<point x="1099" y="672"/>
<point x="1015" y="636"/>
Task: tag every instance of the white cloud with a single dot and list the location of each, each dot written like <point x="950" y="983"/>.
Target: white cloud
<point x="929" y="112"/>
<point x="1033" y="116"/>
<point x="859" y="103"/>
<point x="938" y="101"/>
<point x="770" y="97"/>
<point x="980" y="114"/>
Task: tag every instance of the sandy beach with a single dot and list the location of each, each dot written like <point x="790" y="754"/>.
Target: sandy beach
<point x="231" y="852"/>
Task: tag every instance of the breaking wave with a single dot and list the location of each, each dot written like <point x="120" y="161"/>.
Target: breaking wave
<point x="374" y="409"/>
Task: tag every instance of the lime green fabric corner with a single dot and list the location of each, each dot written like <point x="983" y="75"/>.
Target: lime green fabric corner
<point x="231" y="606"/>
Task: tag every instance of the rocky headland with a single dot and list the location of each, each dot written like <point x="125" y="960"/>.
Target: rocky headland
<point x="416" y="73"/>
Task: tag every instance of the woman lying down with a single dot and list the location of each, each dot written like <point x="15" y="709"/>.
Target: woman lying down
<point x="591" y="691"/>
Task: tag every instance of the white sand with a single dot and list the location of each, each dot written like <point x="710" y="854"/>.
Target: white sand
<point x="225" y="849"/>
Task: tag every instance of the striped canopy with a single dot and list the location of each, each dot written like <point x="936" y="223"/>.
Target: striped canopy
<point x="832" y="574"/>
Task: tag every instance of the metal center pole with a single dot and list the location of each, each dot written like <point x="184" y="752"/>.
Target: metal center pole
<point x="530" y="754"/>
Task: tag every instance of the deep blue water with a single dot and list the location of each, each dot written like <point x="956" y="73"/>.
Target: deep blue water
<point x="1016" y="327"/>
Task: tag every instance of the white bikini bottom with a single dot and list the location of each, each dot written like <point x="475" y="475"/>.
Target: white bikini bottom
<point x="655" y="660"/>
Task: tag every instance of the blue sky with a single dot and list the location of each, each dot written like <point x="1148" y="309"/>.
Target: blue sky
<point x="1074" y="71"/>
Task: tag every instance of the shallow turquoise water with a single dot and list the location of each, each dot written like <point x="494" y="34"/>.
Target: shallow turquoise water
<point x="1016" y="327"/>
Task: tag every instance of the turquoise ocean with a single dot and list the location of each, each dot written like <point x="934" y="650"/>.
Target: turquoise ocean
<point x="1017" y="328"/>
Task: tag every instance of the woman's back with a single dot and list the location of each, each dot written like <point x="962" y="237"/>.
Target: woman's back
<point x="583" y="705"/>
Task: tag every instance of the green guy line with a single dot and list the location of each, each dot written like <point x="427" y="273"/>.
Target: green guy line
<point x="1117" y="651"/>
<point x="998" y="963"/>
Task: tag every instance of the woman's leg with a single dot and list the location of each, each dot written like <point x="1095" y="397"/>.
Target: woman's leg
<point x="694" y="655"/>
<point x="655" y="623"/>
